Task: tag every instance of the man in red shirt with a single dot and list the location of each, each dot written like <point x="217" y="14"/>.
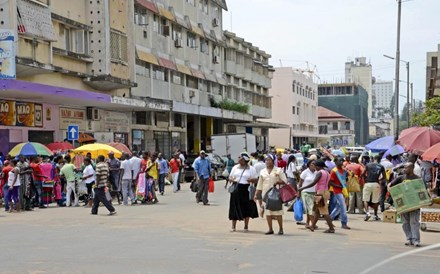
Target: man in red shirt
<point x="355" y="198"/>
<point x="38" y="177"/>
<point x="338" y="178"/>
<point x="280" y="162"/>
<point x="4" y="179"/>
<point x="175" y="165"/>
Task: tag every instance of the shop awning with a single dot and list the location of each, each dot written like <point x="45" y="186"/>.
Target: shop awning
<point x="208" y="34"/>
<point x="195" y="28"/>
<point x="197" y="73"/>
<point x="148" y="5"/>
<point x="258" y="124"/>
<point x="182" y="22"/>
<point x="210" y="76"/>
<point x="167" y="63"/>
<point x="220" y="79"/>
<point x="183" y="69"/>
<point x="221" y="3"/>
<point x="146" y="57"/>
<point x="35" y="20"/>
<point x="167" y="14"/>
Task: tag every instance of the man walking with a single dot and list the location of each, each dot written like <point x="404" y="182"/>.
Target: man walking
<point x="163" y="171"/>
<point x="38" y="178"/>
<point x="355" y="198"/>
<point x="410" y="220"/>
<point x="175" y="165"/>
<point x="68" y="171"/>
<point x="127" y="179"/>
<point x="203" y="169"/>
<point x="371" y="191"/>
<point x="338" y="178"/>
<point x="102" y="172"/>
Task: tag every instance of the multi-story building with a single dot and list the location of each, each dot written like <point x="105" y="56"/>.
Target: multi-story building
<point x="383" y="93"/>
<point x="335" y="129"/>
<point x="295" y="101"/>
<point x="350" y="100"/>
<point x="360" y="73"/>
<point x="432" y="74"/>
<point x="150" y="74"/>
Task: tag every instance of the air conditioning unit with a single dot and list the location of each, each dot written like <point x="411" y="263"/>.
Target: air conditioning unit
<point x="192" y="93"/>
<point x="166" y="30"/>
<point x="216" y="59"/>
<point x="178" y="43"/>
<point x="215" y="22"/>
<point x="92" y="114"/>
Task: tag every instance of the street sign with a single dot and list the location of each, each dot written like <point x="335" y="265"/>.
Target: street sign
<point x="72" y="133"/>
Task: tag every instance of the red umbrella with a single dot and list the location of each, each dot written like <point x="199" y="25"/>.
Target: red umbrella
<point x="410" y="130"/>
<point x="432" y="153"/>
<point x="419" y="139"/>
<point x="60" y="146"/>
<point x="121" y="147"/>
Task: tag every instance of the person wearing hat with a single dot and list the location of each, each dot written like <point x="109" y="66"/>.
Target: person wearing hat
<point x="202" y="167"/>
<point x="240" y="206"/>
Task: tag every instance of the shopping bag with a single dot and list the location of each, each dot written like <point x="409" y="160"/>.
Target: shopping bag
<point x="353" y="184"/>
<point x="272" y="199"/>
<point x="107" y="194"/>
<point x="194" y="186"/>
<point x="141" y="186"/>
<point x="287" y="193"/>
<point x="252" y="189"/>
<point x="298" y="209"/>
<point x="225" y="173"/>
<point x="82" y="188"/>
<point x="211" y="185"/>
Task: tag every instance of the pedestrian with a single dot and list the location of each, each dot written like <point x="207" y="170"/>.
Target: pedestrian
<point x="280" y="162"/>
<point x="68" y="171"/>
<point x="271" y="176"/>
<point x="25" y="192"/>
<point x="411" y="219"/>
<point x="175" y="166"/>
<point x="241" y="206"/>
<point x="163" y="172"/>
<point x="89" y="180"/>
<point x="371" y="192"/>
<point x="308" y="194"/>
<point x="291" y="171"/>
<point x="38" y="178"/>
<point x="115" y="170"/>
<point x="181" y="169"/>
<point x="355" y="198"/>
<point x="229" y="164"/>
<point x="338" y="178"/>
<point x="305" y="150"/>
<point x="203" y="169"/>
<point x="321" y="183"/>
<point x="14" y="184"/>
<point x="127" y="179"/>
<point x="151" y="177"/>
<point x="259" y="166"/>
<point x="102" y="172"/>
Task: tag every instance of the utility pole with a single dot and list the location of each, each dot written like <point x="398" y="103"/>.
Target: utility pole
<point x="399" y="11"/>
<point x="407" y="94"/>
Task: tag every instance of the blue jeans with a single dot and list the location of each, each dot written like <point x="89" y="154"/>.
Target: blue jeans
<point x="6" y="196"/>
<point x="39" y="187"/>
<point x="332" y="203"/>
<point x="340" y="209"/>
<point x="162" y="183"/>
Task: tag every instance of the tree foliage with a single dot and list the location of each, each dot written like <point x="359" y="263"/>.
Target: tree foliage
<point x="431" y="114"/>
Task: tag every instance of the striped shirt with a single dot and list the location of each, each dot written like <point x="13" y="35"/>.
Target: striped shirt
<point x="101" y="174"/>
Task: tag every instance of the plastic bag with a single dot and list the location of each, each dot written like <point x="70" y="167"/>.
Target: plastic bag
<point x="225" y="173"/>
<point x="298" y="209"/>
<point x="211" y="185"/>
<point x="252" y="189"/>
<point x="273" y="199"/>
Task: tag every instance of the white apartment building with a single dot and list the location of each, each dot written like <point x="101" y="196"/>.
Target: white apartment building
<point x="383" y="92"/>
<point x="294" y="103"/>
<point x="432" y="74"/>
<point x="360" y="73"/>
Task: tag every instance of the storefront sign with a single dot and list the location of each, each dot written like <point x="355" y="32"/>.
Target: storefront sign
<point x="116" y="121"/>
<point x="104" y="137"/>
<point x="71" y="116"/>
<point x="21" y="114"/>
<point x="7" y="54"/>
<point x="158" y="105"/>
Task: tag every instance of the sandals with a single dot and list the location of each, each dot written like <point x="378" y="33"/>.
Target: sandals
<point x="310" y="228"/>
<point x="329" y="231"/>
<point x="233" y="229"/>
<point x="269" y="232"/>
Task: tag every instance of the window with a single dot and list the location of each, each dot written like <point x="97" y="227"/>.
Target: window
<point x="203" y="5"/>
<point x="191" y="40"/>
<point x="76" y="40"/>
<point x="142" y="68"/>
<point x="293" y="111"/>
<point x="297" y="111"/>
<point x="204" y="46"/>
<point x="178" y="120"/>
<point x="140" y="118"/>
<point x="177" y="32"/>
<point x="155" y="23"/>
<point x="335" y="125"/>
<point x="323" y="130"/>
<point x="347" y="125"/>
<point x="160" y="73"/>
<point x="177" y="77"/>
<point x="118" y="46"/>
<point x="192" y="82"/>
<point x="230" y="55"/>
<point x="203" y="85"/>
<point x="140" y="16"/>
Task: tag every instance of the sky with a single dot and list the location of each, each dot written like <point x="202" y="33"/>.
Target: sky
<point x="327" y="33"/>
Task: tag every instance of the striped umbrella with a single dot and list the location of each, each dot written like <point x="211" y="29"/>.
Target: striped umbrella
<point x="30" y="149"/>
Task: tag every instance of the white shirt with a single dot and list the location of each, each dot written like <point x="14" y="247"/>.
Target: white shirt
<point x="238" y="174"/>
<point x="259" y="166"/>
<point x="417" y="169"/>
<point x="136" y="163"/>
<point x="386" y="164"/>
<point x="182" y="158"/>
<point x="87" y="172"/>
<point x="12" y="176"/>
<point x="291" y="169"/>
<point x="127" y="167"/>
<point x="308" y="177"/>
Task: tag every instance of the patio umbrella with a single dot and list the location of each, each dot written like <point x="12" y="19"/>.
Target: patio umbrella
<point x="60" y="146"/>
<point x="85" y="138"/>
<point x="97" y="149"/>
<point x="121" y="147"/>
<point x="30" y="149"/>
<point x="394" y="150"/>
<point x="381" y="144"/>
<point x="432" y="153"/>
<point x="338" y="152"/>
<point x="419" y="139"/>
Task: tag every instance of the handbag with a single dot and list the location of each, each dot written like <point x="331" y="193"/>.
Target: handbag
<point x="233" y="188"/>
<point x="252" y="189"/>
<point x="319" y="200"/>
<point x="353" y="184"/>
<point x="272" y="198"/>
<point x="194" y="186"/>
<point x="225" y="173"/>
<point x="298" y="209"/>
<point x="287" y="193"/>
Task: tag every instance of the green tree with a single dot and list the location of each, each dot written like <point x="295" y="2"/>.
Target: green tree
<point x="430" y="116"/>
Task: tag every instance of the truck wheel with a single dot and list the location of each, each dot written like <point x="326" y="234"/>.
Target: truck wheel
<point x="423" y="227"/>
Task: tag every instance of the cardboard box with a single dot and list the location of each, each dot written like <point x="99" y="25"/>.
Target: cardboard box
<point x="391" y="216"/>
<point x="410" y="195"/>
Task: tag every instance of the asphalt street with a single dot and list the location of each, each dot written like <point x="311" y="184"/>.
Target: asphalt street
<point x="179" y="236"/>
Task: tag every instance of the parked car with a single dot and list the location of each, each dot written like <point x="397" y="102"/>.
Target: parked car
<point x="218" y="166"/>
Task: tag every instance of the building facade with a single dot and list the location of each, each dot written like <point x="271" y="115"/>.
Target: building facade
<point x="361" y="73"/>
<point x="335" y="129"/>
<point x="295" y="101"/>
<point x="383" y="92"/>
<point x="350" y="100"/>
<point x="432" y="74"/>
<point x="149" y="74"/>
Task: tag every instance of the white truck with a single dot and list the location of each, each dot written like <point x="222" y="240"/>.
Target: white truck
<point x="233" y="143"/>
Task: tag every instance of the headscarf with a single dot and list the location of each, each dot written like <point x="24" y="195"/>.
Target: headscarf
<point x="245" y="156"/>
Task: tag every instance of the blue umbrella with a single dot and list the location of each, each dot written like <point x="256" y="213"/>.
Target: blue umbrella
<point x="395" y="150"/>
<point x="381" y="144"/>
<point x="338" y="152"/>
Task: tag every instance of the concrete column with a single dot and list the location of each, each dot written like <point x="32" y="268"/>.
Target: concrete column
<point x="197" y="134"/>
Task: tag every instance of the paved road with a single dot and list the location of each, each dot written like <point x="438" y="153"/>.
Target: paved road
<point x="179" y="236"/>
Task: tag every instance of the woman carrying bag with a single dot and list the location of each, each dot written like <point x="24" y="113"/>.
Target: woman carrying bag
<point x="241" y="207"/>
<point x="270" y="177"/>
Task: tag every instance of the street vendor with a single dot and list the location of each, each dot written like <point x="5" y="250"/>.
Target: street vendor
<point x="411" y="219"/>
